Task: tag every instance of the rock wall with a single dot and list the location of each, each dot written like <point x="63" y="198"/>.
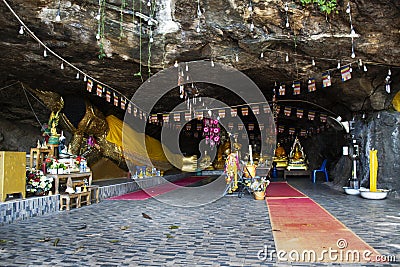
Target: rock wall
<point x="380" y="131"/>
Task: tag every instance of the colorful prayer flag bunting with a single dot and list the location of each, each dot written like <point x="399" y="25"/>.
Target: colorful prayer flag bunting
<point x="188" y="116"/>
<point x="299" y="113"/>
<point x="245" y="111"/>
<point x="233" y="112"/>
<point x="322" y="117"/>
<point x="240" y="126"/>
<point x="311" y="85"/>
<point x="266" y="109"/>
<point x="177" y="117"/>
<point x="255" y="109"/>
<point x="89" y="85"/>
<point x="250" y="126"/>
<point x="230" y="126"/>
<point x="116" y="102"/>
<point x="288" y="111"/>
<point x="292" y="131"/>
<point x="108" y="95"/>
<point x="281" y="129"/>
<point x="296" y="88"/>
<point x="129" y="108"/>
<point x="135" y="110"/>
<point x="346" y="74"/>
<point x="311" y="115"/>
<point x="123" y="103"/>
<point x="166" y="118"/>
<point x="326" y="79"/>
<point x="282" y="89"/>
<point x="99" y="90"/>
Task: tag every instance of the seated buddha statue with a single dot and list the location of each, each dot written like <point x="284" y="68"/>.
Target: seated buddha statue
<point x="280" y="157"/>
<point x="222" y="153"/>
<point x="280" y="152"/>
<point x="297" y="157"/>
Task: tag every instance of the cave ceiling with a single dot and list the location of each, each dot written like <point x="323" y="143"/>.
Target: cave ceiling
<point x="220" y="33"/>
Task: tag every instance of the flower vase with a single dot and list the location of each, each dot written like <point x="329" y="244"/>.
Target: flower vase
<point x="53" y="171"/>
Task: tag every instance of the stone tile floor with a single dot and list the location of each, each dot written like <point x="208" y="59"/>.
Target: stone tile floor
<point x="228" y="232"/>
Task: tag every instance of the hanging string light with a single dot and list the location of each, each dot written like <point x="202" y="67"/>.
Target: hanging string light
<point x="58" y="15"/>
<point x="313" y="62"/>
<point x="45" y="53"/>
<point x="338" y="65"/>
<point x="199" y="14"/>
<point x="287" y="57"/>
<point x="352" y="31"/>
<point x="77" y="75"/>
<point x="176" y="64"/>
<point x="237" y="58"/>
<point x="287" y="15"/>
<point x="212" y="63"/>
<point x="21" y="30"/>
<point x="62" y="65"/>
<point x="262" y="55"/>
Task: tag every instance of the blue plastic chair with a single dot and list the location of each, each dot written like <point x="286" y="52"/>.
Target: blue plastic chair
<point x="321" y="169"/>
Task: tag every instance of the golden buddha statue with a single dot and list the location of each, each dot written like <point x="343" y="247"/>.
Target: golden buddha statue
<point x="222" y="153"/>
<point x="297" y="157"/>
<point x="280" y="157"/>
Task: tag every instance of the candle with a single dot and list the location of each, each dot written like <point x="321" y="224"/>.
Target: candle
<point x="251" y="154"/>
<point x="373" y="170"/>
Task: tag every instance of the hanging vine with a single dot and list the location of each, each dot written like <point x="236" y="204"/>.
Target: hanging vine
<point x="101" y="32"/>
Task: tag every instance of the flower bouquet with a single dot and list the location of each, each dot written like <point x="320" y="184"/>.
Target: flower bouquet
<point x="37" y="183"/>
<point x="54" y="166"/>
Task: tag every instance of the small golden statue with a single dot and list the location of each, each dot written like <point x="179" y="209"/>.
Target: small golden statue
<point x="297" y="157"/>
<point x="280" y="157"/>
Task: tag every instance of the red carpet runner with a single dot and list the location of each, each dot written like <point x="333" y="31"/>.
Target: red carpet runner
<point x="305" y="232"/>
<point x="160" y="189"/>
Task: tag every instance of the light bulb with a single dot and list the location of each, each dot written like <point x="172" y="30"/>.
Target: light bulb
<point x="84" y="78"/>
<point x="378" y="116"/>
<point x="58" y="17"/>
<point x="286" y="7"/>
<point x="287" y="23"/>
<point x="351" y="69"/>
<point x="262" y="55"/>
<point x="363" y="115"/>
<point x="98" y="17"/>
<point x="365" y="68"/>
<point x="387" y="87"/>
<point x="199" y="11"/>
<point x="151" y="39"/>
<point x="21" y="30"/>
<point x="77" y="75"/>
<point x="62" y="65"/>
<point x="353" y="55"/>
<point x="250" y="7"/>
<point x="149" y="3"/>
<point x="209" y="113"/>
<point x="348" y="8"/>
<point x="313" y="62"/>
<point x="389" y="72"/>
<point x="186" y="67"/>
<point x="212" y="63"/>
<point x="338" y="65"/>
<point x="352" y="32"/>
<point x="98" y="36"/>
<point x="198" y="28"/>
<point x="360" y="62"/>
<point x="236" y="57"/>
<point x="45" y="53"/>
<point x="176" y="64"/>
<point x="251" y="26"/>
<point x="287" y="57"/>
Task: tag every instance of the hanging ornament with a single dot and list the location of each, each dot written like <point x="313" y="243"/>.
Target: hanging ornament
<point x="84" y="78"/>
<point x="326" y="79"/>
<point x="151" y="39"/>
<point x="287" y="57"/>
<point x="360" y="62"/>
<point x="313" y="62"/>
<point x="251" y="26"/>
<point x="176" y="64"/>
<point x="353" y="55"/>
<point x="44" y="53"/>
<point x="365" y="68"/>
<point x="149" y="3"/>
<point x="262" y="55"/>
<point x="250" y="7"/>
<point x="97" y="36"/>
<point x="346" y="73"/>
<point x="62" y="65"/>
<point x="338" y="65"/>
<point x="58" y="17"/>
<point x="212" y="63"/>
<point x="186" y="67"/>
<point x="237" y="58"/>
<point x="287" y="22"/>
<point x="21" y="30"/>
<point x="348" y="8"/>
<point x="389" y="72"/>
<point x="77" y="75"/>
<point x="198" y="27"/>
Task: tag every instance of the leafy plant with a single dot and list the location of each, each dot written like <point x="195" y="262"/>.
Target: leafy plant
<point x="326" y="6"/>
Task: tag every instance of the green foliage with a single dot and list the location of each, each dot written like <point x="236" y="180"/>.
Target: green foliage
<point x="326" y="6"/>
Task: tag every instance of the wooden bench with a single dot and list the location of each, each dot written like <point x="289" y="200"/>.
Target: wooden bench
<point x="296" y="173"/>
<point x="67" y="201"/>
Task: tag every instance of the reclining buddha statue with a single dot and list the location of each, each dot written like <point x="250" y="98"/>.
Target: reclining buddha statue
<point x="297" y="157"/>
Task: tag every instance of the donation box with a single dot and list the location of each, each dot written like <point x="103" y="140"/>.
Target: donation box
<point x="12" y="174"/>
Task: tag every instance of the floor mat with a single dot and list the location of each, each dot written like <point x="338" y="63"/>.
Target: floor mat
<point x="160" y="189"/>
<point x="282" y="189"/>
<point x="305" y="232"/>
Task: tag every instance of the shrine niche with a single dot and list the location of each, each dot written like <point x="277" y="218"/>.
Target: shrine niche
<point x="297" y="157"/>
